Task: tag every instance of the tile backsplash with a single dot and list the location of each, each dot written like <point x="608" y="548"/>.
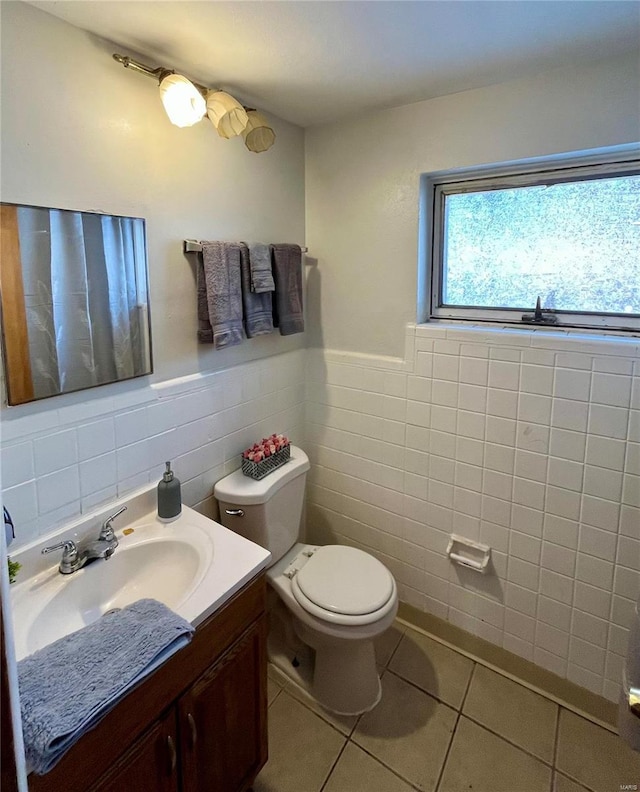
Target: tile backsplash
<point x="58" y="463"/>
<point x="528" y="441"/>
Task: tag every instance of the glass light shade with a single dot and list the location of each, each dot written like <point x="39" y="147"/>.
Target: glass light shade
<point x="182" y="101"/>
<point x="226" y="114"/>
<point x="258" y="135"/>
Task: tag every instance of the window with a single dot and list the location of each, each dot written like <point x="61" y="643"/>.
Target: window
<point x="568" y="235"/>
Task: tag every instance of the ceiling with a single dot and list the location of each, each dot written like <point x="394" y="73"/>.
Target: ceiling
<point x="316" y="61"/>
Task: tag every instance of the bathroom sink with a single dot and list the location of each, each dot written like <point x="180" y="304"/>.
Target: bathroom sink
<point x="150" y="562"/>
<point x="192" y="565"/>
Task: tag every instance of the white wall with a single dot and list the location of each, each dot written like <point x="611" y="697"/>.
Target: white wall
<point x="81" y="132"/>
<point x="527" y="442"/>
<point x="362" y="183"/>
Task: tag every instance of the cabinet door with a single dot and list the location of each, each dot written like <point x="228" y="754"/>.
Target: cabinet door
<point x="223" y="719"/>
<point x="150" y="765"/>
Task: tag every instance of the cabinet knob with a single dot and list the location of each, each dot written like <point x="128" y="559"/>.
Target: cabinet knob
<point x="173" y="756"/>
<point x="194" y="731"/>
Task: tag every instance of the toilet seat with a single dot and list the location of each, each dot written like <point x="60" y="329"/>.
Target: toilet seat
<point x="343" y="585"/>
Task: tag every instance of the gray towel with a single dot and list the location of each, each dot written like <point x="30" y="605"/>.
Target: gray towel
<point x="70" y="685"/>
<point x="220" y="282"/>
<point x="261" y="274"/>
<point x="205" y="331"/>
<point x="258" y="308"/>
<point x="287" y="274"/>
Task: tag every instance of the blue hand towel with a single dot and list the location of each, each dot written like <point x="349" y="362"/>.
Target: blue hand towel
<point x="70" y="685"/>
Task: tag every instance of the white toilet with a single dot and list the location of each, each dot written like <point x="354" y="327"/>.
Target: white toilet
<point x="326" y="604"/>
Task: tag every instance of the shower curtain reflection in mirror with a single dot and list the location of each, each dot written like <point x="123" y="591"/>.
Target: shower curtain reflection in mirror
<point x="82" y="317"/>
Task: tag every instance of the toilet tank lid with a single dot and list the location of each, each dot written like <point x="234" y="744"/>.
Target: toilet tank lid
<point x="240" y="489"/>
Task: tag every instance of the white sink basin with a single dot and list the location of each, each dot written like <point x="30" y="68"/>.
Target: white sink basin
<point x="192" y="565"/>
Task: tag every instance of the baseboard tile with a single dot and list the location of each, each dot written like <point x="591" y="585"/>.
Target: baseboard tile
<point x="569" y="695"/>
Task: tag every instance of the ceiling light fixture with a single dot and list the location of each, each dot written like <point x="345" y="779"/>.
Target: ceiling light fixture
<point x="183" y="102"/>
<point x="258" y="135"/>
<point x="226" y="114"/>
<point x="187" y="102"/>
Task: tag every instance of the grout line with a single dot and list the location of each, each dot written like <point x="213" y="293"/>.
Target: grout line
<point x="333" y="766"/>
<point x="385" y="669"/>
<point x="433" y="696"/>
<point x="459" y="713"/>
<point x="393" y="653"/>
<point x="455" y="729"/>
<point x="498" y="670"/>
<point x="358" y="717"/>
<point x="385" y="765"/>
<point x="280" y="689"/>
<point x="556" y="740"/>
<point x="308" y="705"/>
<point x="378" y="759"/>
<point x="566" y="773"/>
<point x="292" y="688"/>
<point x="579" y="785"/>
<point x="520" y="748"/>
<point x="550" y="764"/>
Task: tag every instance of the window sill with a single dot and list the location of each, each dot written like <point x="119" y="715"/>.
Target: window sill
<point x="604" y="342"/>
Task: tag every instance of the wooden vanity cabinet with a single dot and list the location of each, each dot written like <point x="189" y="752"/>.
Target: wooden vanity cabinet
<point x="225" y="745"/>
<point x="8" y="773"/>
<point x="150" y="763"/>
<point x="198" y="724"/>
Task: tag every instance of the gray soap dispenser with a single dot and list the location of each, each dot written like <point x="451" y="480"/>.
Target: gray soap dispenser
<point x="169" y="498"/>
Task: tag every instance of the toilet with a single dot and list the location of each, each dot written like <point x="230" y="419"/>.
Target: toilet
<point x="326" y="603"/>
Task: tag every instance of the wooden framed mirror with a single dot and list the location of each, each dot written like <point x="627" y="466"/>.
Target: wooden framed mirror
<point x="75" y="300"/>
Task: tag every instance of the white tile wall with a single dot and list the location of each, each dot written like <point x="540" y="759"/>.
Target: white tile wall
<point x="528" y="441"/>
<point x="60" y="462"/>
<point x="525" y="440"/>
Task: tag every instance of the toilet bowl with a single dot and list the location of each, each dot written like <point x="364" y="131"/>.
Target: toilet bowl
<point x="327" y="603"/>
<point x="345" y="677"/>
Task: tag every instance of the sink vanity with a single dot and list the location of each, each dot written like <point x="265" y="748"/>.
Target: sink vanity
<point x="199" y="721"/>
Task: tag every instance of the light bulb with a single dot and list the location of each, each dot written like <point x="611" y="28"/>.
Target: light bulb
<point x="182" y="101"/>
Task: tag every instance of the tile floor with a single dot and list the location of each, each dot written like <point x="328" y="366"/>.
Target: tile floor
<point x="445" y="724"/>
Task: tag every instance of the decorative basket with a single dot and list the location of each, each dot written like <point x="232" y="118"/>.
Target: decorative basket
<point x="258" y="470"/>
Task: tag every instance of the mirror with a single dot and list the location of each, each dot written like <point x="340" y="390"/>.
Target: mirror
<point x="75" y="300"/>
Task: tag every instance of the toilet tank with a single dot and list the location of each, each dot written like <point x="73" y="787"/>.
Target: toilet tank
<point x="269" y="511"/>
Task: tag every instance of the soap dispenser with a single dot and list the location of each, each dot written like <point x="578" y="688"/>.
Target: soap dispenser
<point x="169" y="498"/>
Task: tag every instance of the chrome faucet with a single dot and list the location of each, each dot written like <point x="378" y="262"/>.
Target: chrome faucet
<point x="103" y="547"/>
<point x="106" y="543"/>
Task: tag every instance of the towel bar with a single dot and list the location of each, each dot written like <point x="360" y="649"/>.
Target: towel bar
<point x="193" y="246"/>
